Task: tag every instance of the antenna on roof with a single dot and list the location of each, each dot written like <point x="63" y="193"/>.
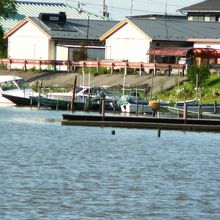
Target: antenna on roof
<point x="131" y="7"/>
<point x="165" y="12"/>
<point x="105" y="10"/>
<point x="79" y="7"/>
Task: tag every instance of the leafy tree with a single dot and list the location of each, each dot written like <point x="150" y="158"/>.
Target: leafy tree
<point x="3" y="50"/>
<point x="200" y="73"/>
<point x="80" y="53"/>
<point x="7" y="8"/>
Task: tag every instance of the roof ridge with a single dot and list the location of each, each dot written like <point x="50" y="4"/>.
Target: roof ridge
<point x="39" y="2"/>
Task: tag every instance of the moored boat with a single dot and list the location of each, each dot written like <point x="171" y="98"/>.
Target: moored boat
<point x="13" y="86"/>
<point x="59" y="104"/>
<point x="130" y="104"/>
<point x="192" y="114"/>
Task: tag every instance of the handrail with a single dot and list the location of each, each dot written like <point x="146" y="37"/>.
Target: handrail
<point x="100" y="63"/>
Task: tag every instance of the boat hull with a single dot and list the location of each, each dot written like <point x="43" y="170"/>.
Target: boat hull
<point x="63" y="104"/>
<point x="21" y="101"/>
<point x="136" y="108"/>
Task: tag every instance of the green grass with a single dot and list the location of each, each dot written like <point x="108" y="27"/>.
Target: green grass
<point x="208" y="94"/>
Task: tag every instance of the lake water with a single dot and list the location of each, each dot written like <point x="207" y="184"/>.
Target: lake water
<point x="50" y="171"/>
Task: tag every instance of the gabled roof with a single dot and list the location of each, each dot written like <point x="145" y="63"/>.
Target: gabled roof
<point x="71" y="29"/>
<point x="170" y="30"/>
<point x="204" y="6"/>
<point x="33" y="9"/>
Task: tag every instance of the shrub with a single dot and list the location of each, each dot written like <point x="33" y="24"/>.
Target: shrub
<point x="95" y="71"/>
<point x="203" y="75"/>
<point x="215" y="92"/>
<point x="80" y="53"/>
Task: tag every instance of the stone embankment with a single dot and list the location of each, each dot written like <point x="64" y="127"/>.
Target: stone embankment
<point x="114" y="80"/>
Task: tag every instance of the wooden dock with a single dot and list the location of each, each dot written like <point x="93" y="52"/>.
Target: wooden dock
<point x="207" y="125"/>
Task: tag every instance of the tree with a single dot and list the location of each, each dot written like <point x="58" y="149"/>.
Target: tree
<point x="80" y="53"/>
<point x="198" y="75"/>
<point x="2" y="44"/>
<point x="7" y="8"/>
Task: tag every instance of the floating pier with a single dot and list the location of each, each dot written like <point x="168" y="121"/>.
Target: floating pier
<point x="208" y="125"/>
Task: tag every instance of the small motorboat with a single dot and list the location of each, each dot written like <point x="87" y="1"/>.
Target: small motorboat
<point x="14" y="90"/>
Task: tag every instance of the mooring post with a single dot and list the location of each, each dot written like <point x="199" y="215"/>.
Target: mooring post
<point x="215" y="107"/>
<point x="57" y="105"/>
<point x="39" y="85"/>
<point x="199" y="111"/>
<point x="103" y="107"/>
<point x="31" y="102"/>
<point x="159" y="132"/>
<point x="73" y="95"/>
<point x="185" y="110"/>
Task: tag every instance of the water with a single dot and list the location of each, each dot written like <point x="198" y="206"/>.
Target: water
<point x="49" y="171"/>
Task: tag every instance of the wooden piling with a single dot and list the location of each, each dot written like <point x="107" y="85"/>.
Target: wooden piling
<point x="73" y="96"/>
<point x="103" y="107"/>
<point x="57" y="105"/>
<point x="185" y="110"/>
<point x="215" y="107"/>
<point x="199" y="111"/>
<point x="159" y="132"/>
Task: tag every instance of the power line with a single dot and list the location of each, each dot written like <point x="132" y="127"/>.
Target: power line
<point x="131" y="9"/>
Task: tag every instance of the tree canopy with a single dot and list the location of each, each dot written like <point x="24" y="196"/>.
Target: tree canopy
<point x="202" y="72"/>
<point x="7" y="8"/>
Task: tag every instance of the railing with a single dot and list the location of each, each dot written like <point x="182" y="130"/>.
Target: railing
<point x="113" y="64"/>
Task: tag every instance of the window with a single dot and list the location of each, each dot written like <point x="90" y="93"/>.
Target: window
<point x="7" y="86"/>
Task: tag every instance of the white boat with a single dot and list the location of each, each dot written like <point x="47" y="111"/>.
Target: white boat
<point x="192" y="114"/>
<point x="139" y="108"/>
<point x="13" y="86"/>
<point x="129" y="104"/>
<point x="83" y="94"/>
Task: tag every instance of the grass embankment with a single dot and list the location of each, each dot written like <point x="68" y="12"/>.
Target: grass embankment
<point x="208" y="94"/>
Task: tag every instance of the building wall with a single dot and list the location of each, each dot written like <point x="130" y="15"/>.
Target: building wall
<point x="207" y="45"/>
<point x="61" y="54"/>
<point x="28" y="42"/>
<point x="127" y="43"/>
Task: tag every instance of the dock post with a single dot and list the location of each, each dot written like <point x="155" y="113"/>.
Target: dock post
<point x="31" y="102"/>
<point x="73" y="96"/>
<point x="199" y="111"/>
<point x="185" y="110"/>
<point x="103" y="107"/>
<point x="159" y="132"/>
<point x="215" y="107"/>
<point x="57" y="105"/>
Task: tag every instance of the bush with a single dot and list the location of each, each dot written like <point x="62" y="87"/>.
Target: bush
<point x="95" y="71"/>
<point x="80" y="54"/>
<point x="203" y="75"/>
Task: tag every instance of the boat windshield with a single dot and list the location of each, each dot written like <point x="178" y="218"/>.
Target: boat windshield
<point x="21" y="83"/>
<point x="9" y="85"/>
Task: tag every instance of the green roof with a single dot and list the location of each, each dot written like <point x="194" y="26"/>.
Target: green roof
<point x="33" y="9"/>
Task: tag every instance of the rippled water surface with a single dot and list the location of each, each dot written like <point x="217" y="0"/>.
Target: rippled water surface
<point x="50" y="171"/>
